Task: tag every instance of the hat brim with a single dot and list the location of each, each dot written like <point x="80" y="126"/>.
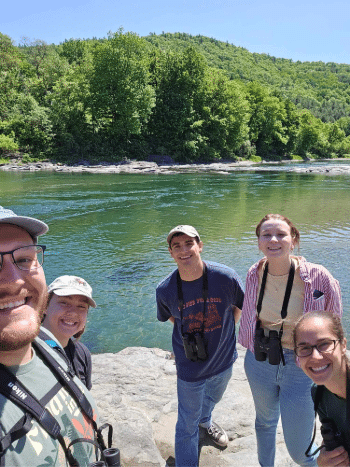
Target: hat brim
<point x="184" y="232"/>
<point x="71" y="291"/>
<point x="34" y="227"/>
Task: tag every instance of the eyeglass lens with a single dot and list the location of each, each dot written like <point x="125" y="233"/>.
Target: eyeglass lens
<point x="322" y="347"/>
<point x="27" y="257"/>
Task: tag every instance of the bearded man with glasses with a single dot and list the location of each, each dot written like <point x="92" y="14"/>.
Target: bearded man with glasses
<point x="23" y="296"/>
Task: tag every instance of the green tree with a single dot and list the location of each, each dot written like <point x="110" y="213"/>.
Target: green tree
<point x="176" y="123"/>
<point x="311" y="136"/>
<point x="30" y="124"/>
<point x="71" y="122"/>
<point x="273" y="122"/>
<point x="121" y="99"/>
<point x="225" y="114"/>
<point x="48" y="66"/>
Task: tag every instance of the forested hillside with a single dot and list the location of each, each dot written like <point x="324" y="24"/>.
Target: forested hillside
<point x="320" y="87"/>
<point x="192" y="98"/>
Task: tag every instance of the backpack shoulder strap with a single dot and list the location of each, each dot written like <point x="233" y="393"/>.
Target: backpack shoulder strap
<point x="52" y="343"/>
<point x="318" y="397"/>
<point x="12" y="389"/>
<point x="67" y="380"/>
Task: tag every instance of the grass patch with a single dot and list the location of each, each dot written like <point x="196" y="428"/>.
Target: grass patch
<point x="255" y="158"/>
<point x="295" y="157"/>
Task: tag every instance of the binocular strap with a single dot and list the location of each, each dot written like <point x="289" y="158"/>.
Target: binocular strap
<point x="285" y="300"/>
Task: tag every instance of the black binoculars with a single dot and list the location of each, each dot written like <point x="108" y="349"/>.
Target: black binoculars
<point x="331" y="436"/>
<point x="111" y="458"/>
<point x="267" y="346"/>
<point x="194" y="346"/>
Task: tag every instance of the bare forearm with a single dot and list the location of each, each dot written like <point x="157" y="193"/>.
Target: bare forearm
<point x="237" y="314"/>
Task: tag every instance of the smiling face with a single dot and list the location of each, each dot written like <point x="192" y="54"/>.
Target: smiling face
<point x="66" y="316"/>
<point x="327" y="369"/>
<point x="186" y="251"/>
<point x="22" y="294"/>
<point x="275" y="239"/>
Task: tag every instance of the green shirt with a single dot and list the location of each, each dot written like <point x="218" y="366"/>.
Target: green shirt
<point x="38" y="448"/>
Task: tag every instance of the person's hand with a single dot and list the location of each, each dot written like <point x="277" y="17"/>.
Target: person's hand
<point x="338" y="457"/>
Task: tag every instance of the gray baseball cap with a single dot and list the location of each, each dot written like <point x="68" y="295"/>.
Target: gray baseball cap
<point x="72" y="285"/>
<point x="185" y="229"/>
<point x="33" y="226"/>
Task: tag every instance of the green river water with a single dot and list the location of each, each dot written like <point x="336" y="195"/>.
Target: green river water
<point x="111" y="230"/>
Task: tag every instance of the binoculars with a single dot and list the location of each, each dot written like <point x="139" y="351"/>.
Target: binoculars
<point x="331" y="436"/>
<point x="267" y="346"/>
<point x="194" y="346"/>
<point x="111" y="458"/>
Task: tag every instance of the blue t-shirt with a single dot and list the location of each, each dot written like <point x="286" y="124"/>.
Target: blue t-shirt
<point x="225" y="291"/>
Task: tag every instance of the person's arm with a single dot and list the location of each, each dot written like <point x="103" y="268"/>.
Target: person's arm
<point x="237" y="314"/>
<point x="333" y="296"/>
<point x="163" y="311"/>
<point x="338" y="457"/>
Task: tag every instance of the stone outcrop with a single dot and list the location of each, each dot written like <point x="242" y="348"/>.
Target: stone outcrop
<point x="136" y="391"/>
<point x="163" y="165"/>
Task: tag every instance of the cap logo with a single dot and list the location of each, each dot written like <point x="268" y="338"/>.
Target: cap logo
<point x="81" y="282"/>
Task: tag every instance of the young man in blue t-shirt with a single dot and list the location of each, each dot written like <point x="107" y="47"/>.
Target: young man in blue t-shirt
<point x="203" y="300"/>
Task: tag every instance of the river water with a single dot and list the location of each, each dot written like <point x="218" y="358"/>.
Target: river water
<point x="111" y="229"/>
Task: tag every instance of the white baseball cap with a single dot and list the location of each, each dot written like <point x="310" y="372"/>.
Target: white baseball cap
<point x="185" y="229"/>
<point x="72" y="285"/>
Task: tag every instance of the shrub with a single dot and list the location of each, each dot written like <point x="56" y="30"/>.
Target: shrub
<point x="7" y="144"/>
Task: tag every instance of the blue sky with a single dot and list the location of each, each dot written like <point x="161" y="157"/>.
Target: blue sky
<point x="308" y="30"/>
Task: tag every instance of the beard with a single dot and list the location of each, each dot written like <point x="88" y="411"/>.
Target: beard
<point x="16" y="339"/>
<point x="17" y="336"/>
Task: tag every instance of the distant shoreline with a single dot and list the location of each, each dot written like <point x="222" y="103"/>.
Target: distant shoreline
<point x="145" y="167"/>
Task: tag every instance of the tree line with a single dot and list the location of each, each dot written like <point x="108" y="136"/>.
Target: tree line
<point x="129" y="97"/>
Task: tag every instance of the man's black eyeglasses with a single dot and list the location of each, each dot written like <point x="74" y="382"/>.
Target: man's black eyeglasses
<point x="26" y="258"/>
<point x="323" y="347"/>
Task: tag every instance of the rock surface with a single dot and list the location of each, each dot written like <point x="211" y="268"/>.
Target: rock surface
<point x="162" y="165"/>
<point x="135" y="390"/>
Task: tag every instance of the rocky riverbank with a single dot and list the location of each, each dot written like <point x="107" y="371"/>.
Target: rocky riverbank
<point x="160" y="165"/>
<point x="136" y="391"/>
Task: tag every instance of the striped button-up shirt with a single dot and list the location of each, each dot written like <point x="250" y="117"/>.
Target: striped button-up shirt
<point x="322" y="292"/>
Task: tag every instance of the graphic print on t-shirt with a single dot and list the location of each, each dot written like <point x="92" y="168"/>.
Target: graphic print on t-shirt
<point x="193" y="321"/>
<point x="76" y="424"/>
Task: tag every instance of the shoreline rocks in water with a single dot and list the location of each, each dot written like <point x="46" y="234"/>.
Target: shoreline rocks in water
<point x="164" y="166"/>
<point x="135" y="390"/>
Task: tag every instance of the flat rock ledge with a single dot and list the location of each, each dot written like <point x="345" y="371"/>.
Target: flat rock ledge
<point x="151" y="167"/>
<point x="135" y="390"/>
